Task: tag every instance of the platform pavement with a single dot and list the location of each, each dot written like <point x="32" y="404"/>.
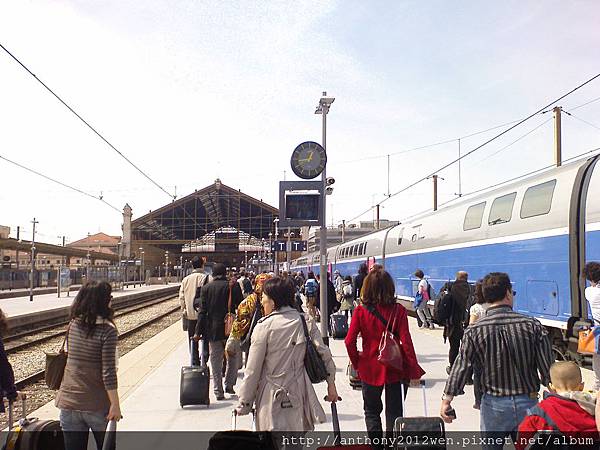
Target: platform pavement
<point x="154" y="403"/>
<point x="21" y="305"/>
<point x="149" y="389"/>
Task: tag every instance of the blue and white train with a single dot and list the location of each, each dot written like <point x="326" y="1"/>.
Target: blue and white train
<point x="540" y="230"/>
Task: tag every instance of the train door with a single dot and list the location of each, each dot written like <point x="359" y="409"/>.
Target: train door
<point x="584" y="244"/>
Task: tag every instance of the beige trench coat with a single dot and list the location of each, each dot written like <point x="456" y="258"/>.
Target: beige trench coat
<point x="275" y="373"/>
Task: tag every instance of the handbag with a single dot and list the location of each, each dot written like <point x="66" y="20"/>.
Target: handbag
<point x="390" y="350"/>
<point x="315" y="367"/>
<point x="56" y="363"/>
<point x="184" y="321"/>
<point x="588" y="342"/>
<point x="229" y="317"/>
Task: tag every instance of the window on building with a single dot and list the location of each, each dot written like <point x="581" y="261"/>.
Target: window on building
<point x="501" y="210"/>
<point x="538" y="200"/>
<point x="473" y="217"/>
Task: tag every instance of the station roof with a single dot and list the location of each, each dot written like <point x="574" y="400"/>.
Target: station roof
<point x="205" y="211"/>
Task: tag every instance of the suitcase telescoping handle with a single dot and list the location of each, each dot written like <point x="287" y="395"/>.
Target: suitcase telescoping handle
<point x="337" y="433"/>
<point x="200" y="345"/>
<point x="422" y="383"/>
<point x="234" y="420"/>
<point x="11" y="411"/>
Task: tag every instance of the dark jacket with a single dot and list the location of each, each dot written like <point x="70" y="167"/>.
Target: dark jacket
<point x="331" y="298"/>
<point x="358" y="283"/>
<point x="213" y="308"/>
<point x="460" y="291"/>
<point x="7" y="378"/>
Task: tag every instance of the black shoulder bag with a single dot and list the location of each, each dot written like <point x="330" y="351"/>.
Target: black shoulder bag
<point x="315" y="367"/>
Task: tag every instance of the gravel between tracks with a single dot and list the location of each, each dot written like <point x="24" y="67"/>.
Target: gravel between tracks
<point x="31" y="360"/>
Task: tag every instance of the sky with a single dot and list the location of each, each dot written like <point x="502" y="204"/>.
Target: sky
<point x="191" y="91"/>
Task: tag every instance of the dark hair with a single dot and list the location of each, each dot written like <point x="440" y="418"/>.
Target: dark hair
<point x="311" y="275"/>
<point x="92" y="301"/>
<point x="219" y="270"/>
<point x="281" y="291"/>
<point x="348" y="278"/>
<point x="3" y="324"/>
<point x="591" y="271"/>
<point x="494" y="286"/>
<point x="479" y="292"/>
<point x="419" y="273"/>
<point x="197" y="262"/>
<point x="378" y="288"/>
<point x="362" y="269"/>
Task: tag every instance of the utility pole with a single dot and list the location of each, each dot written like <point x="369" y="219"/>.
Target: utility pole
<point x="377" y="217"/>
<point x="18" y="239"/>
<point x="557" y="136"/>
<point x="459" y="172"/>
<point x="34" y="222"/>
<point x="388" y="178"/>
<point x="435" y="177"/>
<point x="343" y="230"/>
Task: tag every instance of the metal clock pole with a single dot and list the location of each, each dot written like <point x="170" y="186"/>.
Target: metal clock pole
<point x="323" y="109"/>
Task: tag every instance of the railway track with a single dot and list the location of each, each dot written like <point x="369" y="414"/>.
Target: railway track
<point x="39" y="375"/>
<point x="22" y="340"/>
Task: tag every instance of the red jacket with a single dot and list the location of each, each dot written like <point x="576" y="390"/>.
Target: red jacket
<point x="371" y="328"/>
<point x="569" y="417"/>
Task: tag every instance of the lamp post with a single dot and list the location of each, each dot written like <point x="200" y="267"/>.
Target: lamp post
<point x="276" y="222"/>
<point x="289" y="248"/>
<point x="31" y="275"/>
<point x="143" y="268"/>
<point x="270" y="245"/>
<point x="167" y="267"/>
<point x="89" y="260"/>
<point x="323" y="108"/>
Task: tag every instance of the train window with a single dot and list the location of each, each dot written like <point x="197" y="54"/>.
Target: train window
<point x="501" y="211"/>
<point x="354" y="250"/>
<point x="473" y="217"/>
<point x="365" y="248"/>
<point x="361" y="248"/>
<point x="537" y="200"/>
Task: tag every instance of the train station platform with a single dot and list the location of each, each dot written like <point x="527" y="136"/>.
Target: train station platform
<point x="149" y="392"/>
<point x="18" y="306"/>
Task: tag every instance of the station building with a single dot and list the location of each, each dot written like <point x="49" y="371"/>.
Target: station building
<point x="217" y="222"/>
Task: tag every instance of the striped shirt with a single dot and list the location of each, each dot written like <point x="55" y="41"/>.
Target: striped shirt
<point x="91" y="368"/>
<point x="512" y="351"/>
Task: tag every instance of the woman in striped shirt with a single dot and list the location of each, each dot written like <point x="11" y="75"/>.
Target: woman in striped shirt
<point x="88" y="396"/>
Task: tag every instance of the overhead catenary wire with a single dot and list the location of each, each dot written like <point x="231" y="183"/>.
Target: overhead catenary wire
<point x="568" y="113"/>
<point x="58" y="182"/>
<point x="470" y="152"/>
<point x="97" y="133"/>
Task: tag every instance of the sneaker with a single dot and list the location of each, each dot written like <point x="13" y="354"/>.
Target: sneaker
<point x="229" y="390"/>
<point x="220" y="397"/>
<point x="431" y="326"/>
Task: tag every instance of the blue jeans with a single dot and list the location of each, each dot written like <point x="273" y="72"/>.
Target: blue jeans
<point x="501" y="417"/>
<point x="76" y="426"/>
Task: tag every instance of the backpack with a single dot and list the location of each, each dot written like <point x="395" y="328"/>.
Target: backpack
<point x="347" y="290"/>
<point x="442" y="307"/>
<point x="310" y="288"/>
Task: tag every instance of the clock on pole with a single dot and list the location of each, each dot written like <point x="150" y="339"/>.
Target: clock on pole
<point x="308" y="160"/>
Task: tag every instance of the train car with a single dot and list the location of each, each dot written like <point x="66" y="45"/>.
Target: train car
<point x="540" y="230"/>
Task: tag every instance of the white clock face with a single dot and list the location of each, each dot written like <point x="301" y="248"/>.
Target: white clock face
<point x="308" y="160"/>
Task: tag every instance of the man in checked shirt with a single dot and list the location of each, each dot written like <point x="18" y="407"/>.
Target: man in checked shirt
<point x="513" y="353"/>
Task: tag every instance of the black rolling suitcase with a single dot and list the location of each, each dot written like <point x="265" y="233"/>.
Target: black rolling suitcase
<point x="338" y="326"/>
<point x="32" y="433"/>
<point x="195" y="381"/>
<point x="242" y="440"/>
<point x="419" y="432"/>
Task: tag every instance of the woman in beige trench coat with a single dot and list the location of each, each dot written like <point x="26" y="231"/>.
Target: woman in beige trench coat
<point x="275" y="378"/>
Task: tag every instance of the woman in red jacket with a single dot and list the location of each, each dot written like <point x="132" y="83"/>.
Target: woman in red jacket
<point x="379" y="305"/>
